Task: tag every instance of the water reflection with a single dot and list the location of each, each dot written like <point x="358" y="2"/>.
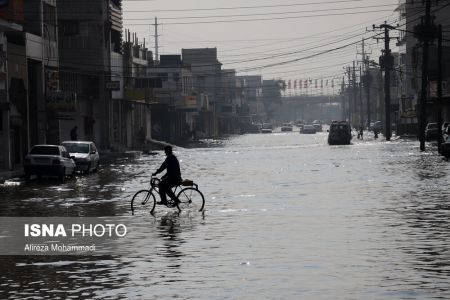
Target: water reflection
<point x="287" y="217"/>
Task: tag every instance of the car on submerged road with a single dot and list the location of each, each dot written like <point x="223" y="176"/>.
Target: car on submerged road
<point x="48" y="160"/>
<point x="340" y="133"/>
<point x="431" y="132"/>
<point x="85" y="155"/>
<point x="308" y="129"/>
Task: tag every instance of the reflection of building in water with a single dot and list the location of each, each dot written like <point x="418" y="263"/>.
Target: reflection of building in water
<point x="57" y="274"/>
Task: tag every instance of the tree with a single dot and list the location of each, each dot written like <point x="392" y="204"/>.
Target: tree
<point x="272" y="95"/>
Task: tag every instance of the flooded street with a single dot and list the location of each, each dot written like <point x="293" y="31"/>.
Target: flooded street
<point x="286" y="217"/>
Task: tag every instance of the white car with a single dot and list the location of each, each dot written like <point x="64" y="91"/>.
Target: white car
<point x="48" y="160"/>
<point x="85" y="154"/>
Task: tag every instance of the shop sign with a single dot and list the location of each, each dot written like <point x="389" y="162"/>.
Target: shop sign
<point x="409" y="114"/>
<point x="113" y="85"/>
<point x="61" y="101"/>
<point x="190" y="101"/>
<point x="445" y="89"/>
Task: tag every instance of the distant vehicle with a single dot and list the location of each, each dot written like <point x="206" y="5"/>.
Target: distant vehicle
<point x="445" y="148"/>
<point x="376" y="126"/>
<point x="85" y="154"/>
<point x="431" y="132"/>
<point x="308" y="129"/>
<point x="299" y="123"/>
<point x="445" y="127"/>
<point x="445" y="131"/>
<point x="317" y="125"/>
<point x="286" y="127"/>
<point x="266" y="128"/>
<point x="48" y="160"/>
<point x="339" y="133"/>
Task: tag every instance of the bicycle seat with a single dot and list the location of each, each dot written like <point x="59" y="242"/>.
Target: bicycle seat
<point x="187" y="182"/>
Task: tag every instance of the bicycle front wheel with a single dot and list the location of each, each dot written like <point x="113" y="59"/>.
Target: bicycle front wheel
<point x="143" y="200"/>
<point x="190" y="198"/>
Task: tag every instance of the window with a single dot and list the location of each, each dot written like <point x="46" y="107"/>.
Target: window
<point x="163" y="76"/>
<point x="45" y="150"/>
<point x="50" y="22"/>
<point x="69" y="27"/>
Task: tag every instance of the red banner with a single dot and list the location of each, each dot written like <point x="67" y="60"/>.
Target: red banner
<point x="11" y="10"/>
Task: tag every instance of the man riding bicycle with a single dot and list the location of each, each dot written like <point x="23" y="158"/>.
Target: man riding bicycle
<point x="171" y="179"/>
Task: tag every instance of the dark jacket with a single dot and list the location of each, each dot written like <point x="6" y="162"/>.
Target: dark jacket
<point x="173" y="168"/>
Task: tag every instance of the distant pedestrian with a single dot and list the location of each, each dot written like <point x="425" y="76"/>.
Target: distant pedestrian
<point x="141" y="138"/>
<point x="74" y="134"/>
<point x="361" y="132"/>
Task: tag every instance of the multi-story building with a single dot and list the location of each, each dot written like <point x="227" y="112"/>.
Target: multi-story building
<point x="90" y="32"/>
<point x="410" y="61"/>
<point x="29" y="73"/>
<point x="206" y="78"/>
<point x="132" y="107"/>
<point x="254" y="97"/>
<point x="174" y="104"/>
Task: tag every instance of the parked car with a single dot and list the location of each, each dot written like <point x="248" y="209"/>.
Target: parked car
<point x="445" y="127"/>
<point x="445" y="148"/>
<point x="48" y="160"/>
<point x="317" y="125"/>
<point x="445" y="132"/>
<point x="85" y="154"/>
<point x="376" y="126"/>
<point x="266" y="128"/>
<point x="431" y="132"/>
<point x="286" y="127"/>
<point x="339" y="133"/>
<point x="308" y="129"/>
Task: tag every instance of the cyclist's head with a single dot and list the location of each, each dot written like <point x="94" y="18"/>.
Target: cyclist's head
<point x="168" y="149"/>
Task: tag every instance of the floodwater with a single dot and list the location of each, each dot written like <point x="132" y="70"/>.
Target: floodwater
<point x="287" y="217"/>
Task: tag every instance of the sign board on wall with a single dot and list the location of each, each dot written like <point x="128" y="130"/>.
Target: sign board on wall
<point x="61" y="101"/>
<point x="113" y="85"/>
<point x="445" y="89"/>
<point x="11" y="10"/>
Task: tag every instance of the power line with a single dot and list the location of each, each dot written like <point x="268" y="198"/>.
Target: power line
<point x="263" y="14"/>
<point x="244" y="7"/>
<point x="263" y="19"/>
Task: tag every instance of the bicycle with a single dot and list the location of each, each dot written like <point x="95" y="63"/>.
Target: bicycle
<point x="189" y="197"/>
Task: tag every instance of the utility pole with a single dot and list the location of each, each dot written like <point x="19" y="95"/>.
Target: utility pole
<point x="366" y="80"/>
<point x="361" y="108"/>
<point x="156" y="40"/>
<point x="349" y="97"/>
<point x="362" y="64"/>
<point x="355" y="110"/>
<point x="425" y="32"/>
<point x="386" y="63"/>
<point x="343" y="97"/>
<point x="439" y="88"/>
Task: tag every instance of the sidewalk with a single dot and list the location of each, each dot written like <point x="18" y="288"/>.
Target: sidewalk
<point x="7" y="174"/>
<point x="105" y="158"/>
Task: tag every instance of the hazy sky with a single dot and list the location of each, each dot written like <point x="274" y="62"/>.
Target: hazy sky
<point x="271" y="38"/>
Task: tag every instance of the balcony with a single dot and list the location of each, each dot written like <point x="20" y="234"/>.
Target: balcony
<point x="115" y="17"/>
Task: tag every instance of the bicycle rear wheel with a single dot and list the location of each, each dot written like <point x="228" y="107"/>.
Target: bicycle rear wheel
<point x="190" y="198"/>
<point x="143" y="200"/>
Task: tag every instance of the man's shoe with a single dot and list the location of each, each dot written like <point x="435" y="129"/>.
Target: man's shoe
<point x="161" y="203"/>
